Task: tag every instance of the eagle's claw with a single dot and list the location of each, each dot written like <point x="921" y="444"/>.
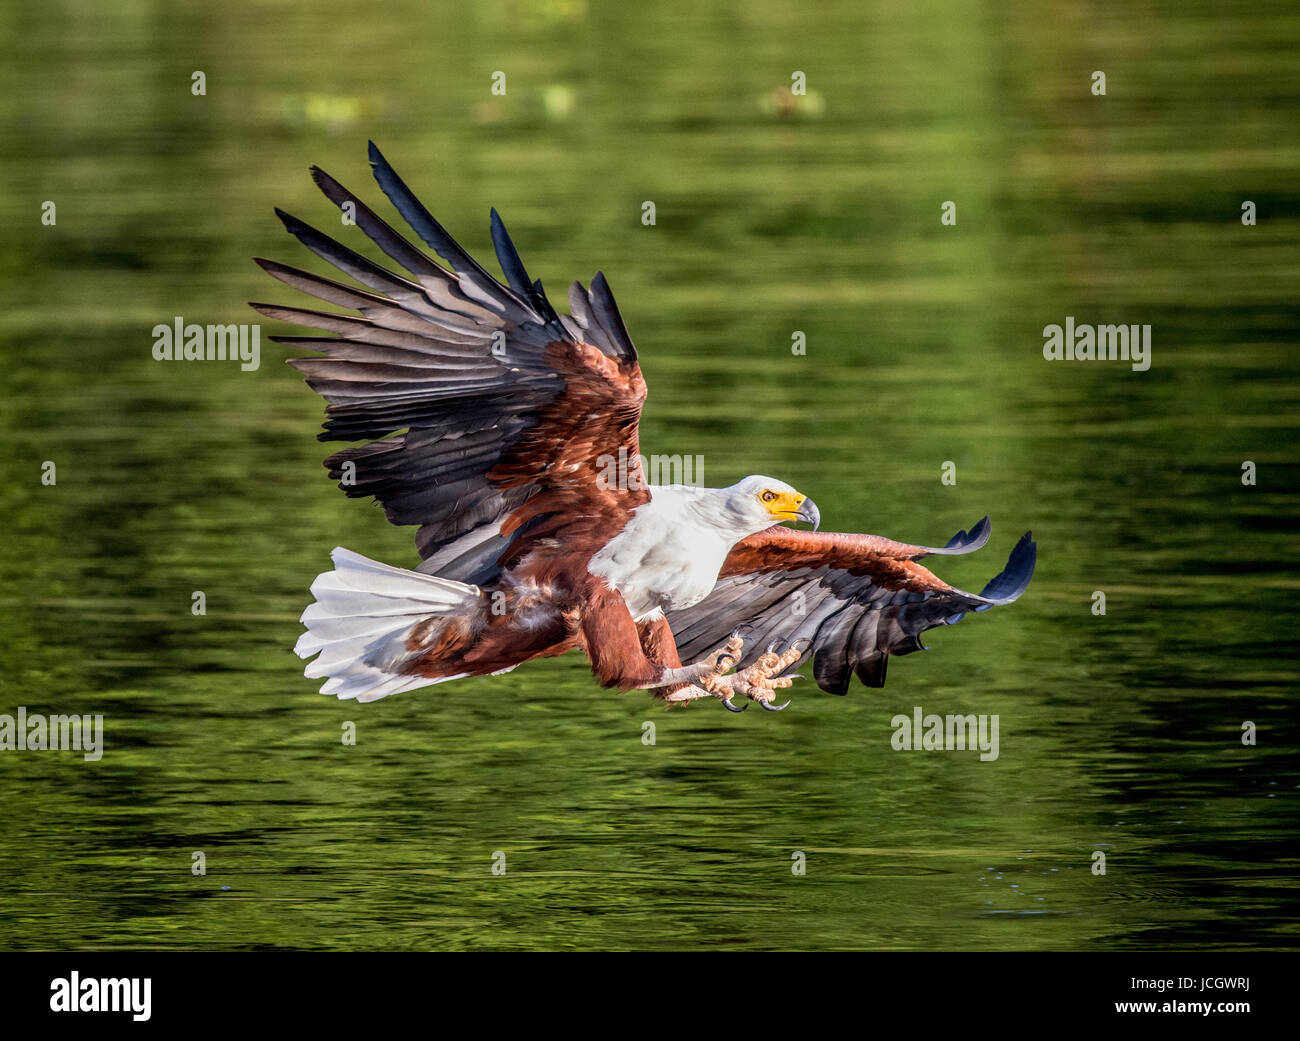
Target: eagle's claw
<point x="757" y="682"/>
<point x="726" y="656"/>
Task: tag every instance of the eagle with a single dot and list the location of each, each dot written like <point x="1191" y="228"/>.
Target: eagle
<point x="488" y="420"/>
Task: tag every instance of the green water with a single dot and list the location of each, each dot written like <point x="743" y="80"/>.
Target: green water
<point x="1118" y="733"/>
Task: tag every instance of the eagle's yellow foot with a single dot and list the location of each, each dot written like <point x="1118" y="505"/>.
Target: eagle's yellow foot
<point x="702" y="674"/>
<point x="725" y="657"/>
<point x="701" y="678"/>
<point x="760" y="681"/>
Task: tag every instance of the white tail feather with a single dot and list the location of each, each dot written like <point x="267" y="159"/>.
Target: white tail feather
<point x="363" y="610"/>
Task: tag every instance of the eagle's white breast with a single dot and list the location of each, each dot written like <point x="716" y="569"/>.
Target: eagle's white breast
<point x="669" y="554"/>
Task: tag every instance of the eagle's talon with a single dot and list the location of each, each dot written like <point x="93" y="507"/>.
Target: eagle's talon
<point x="727" y="704"/>
<point x="787" y="659"/>
<point x="757" y="682"/>
<point x="726" y="656"/>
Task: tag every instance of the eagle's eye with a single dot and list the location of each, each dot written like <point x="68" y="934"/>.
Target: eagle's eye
<point x="768" y="496"/>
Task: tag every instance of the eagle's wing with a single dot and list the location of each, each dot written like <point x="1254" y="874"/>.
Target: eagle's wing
<point x="485" y="411"/>
<point x="855" y="599"/>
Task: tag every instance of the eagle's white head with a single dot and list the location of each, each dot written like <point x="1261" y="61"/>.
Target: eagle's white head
<point x="758" y="502"/>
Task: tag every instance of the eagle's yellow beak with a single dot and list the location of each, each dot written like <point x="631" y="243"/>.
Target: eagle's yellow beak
<point x="791" y="506"/>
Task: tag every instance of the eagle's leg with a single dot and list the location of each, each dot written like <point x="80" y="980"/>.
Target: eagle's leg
<point x="659" y="646"/>
<point x="613" y="643"/>
<point x="702" y="672"/>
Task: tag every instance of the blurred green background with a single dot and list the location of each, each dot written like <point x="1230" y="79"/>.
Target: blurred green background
<point x="775" y="213"/>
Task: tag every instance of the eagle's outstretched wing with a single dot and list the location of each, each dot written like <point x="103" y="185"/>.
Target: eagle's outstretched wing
<point x="855" y="599"/>
<point x="487" y="415"/>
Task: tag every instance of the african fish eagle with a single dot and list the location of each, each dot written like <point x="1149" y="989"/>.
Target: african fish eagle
<point x="487" y="420"/>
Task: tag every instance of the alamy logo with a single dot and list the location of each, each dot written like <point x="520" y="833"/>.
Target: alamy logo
<point x="626" y="472"/>
<point x="101" y="995"/>
<point x="60" y="733"/>
<point x="933" y="733"/>
<point x="192" y="342"/>
<point x="1098" y="343"/>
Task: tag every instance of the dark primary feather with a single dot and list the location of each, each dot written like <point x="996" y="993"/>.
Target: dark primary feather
<point x="513" y="268"/>
<point x="422" y="222"/>
<point x="508" y="257"/>
<point x="966" y="542"/>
